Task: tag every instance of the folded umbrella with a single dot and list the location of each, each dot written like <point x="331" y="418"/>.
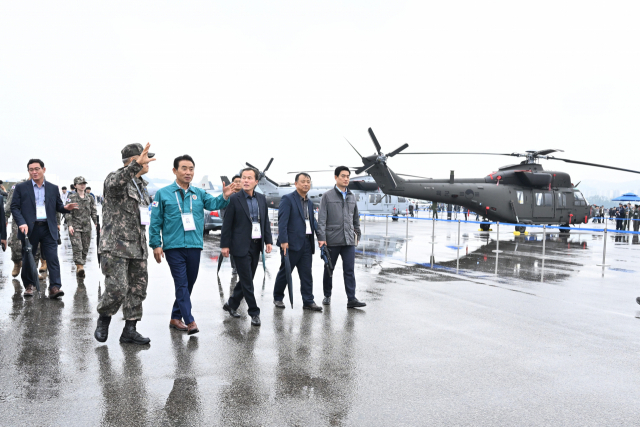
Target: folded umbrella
<point x="326" y="257"/>
<point x="287" y="270"/>
<point x="220" y="260"/>
<point x="29" y="266"/>
<point x="98" y="240"/>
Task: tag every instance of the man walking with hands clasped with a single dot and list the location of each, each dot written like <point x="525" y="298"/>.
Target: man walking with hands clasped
<point x="177" y="222"/>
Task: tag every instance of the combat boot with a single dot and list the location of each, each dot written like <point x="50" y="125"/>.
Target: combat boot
<point x="79" y="270"/>
<point x="17" y="265"/>
<point x="102" y="330"/>
<point x="131" y="336"/>
<point x="43" y="266"/>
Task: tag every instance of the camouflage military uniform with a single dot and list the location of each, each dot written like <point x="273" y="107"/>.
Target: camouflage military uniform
<point x="80" y="219"/>
<point x="123" y="243"/>
<point x="14" y="242"/>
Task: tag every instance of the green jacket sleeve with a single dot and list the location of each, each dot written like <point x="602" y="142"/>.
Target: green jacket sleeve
<point x="157" y="221"/>
<point x="214" y="203"/>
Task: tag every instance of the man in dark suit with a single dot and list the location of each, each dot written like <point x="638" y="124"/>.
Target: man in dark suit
<point x="296" y="226"/>
<point x="34" y="206"/>
<point x="245" y="232"/>
<point x="3" y="226"/>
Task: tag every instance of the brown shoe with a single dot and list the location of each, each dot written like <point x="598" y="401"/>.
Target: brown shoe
<point x="16" y="268"/>
<point x="43" y="266"/>
<point x="193" y="328"/>
<point x="28" y="291"/>
<point x="177" y="324"/>
<point x="55" y="292"/>
<point x="79" y="270"/>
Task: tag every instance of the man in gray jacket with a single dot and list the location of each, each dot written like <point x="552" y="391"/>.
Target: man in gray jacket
<point x="339" y="229"/>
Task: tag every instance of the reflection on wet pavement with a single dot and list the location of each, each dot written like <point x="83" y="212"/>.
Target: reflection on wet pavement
<point x="451" y="343"/>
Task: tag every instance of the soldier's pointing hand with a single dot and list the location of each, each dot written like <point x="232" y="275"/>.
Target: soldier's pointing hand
<point x="143" y="158"/>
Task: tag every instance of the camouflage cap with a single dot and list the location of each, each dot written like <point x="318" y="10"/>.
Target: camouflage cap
<point x="134" y="150"/>
<point x="79" y="180"/>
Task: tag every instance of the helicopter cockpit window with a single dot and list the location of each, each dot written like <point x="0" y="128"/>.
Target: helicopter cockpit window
<point x="372" y="198"/>
<point x="579" y="199"/>
<point x="538" y="199"/>
<point x="520" y="196"/>
<point x="401" y="200"/>
<point x="548" y="199"/>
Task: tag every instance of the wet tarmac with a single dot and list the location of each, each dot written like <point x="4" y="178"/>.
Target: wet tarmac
<point x="545" y="341"/>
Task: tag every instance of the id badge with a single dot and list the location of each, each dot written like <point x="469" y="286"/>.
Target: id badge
<point x="41" y="212"/>
<point x="187" y="222"/>
<point x="145" y="215"/>
<point x="255" y="231"/>
<point x="308" y="226"/>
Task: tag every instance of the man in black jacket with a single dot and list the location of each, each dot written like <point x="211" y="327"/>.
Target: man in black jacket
<point x="245" y="230"/>
<point x="34" y="206"/>
<point x="3" y="226"/>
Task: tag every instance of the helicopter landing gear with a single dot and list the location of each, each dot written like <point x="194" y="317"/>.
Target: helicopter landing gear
<point x="521" y="229"/>
<point x="566" y="231"/>
<point x="484" y="226"/>
<point x="395" y="218"/>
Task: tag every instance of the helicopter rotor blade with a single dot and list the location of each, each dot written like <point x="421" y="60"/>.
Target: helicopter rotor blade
<point x="413" y="176"/>
<point x="389" y="176"/>
<point x="486" y="154"/>
<point x="546" y="152"/>
<point x="269" y="165"/>
<point x="251" y="166"/>
<point x="354" y="148"/>
<point x="591" y="164"/>
<point x="398" y="150"/>
<point x="364" y="168"/>
<point x="375" y="141"/>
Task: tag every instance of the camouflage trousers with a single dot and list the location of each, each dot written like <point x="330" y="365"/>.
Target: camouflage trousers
<point x="16" y="245"/>
<point x="80" y="242"/>
<point x="125" y="284"/>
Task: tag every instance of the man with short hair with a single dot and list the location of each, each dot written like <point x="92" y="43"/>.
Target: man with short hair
<point x="64" y="196"/>
<point x="238" y="187"/>
<point x="246" y="231"/>
<point x="339" y="229"/>
<point x="34" y="206"/>
<point x="296" y="227"/>
<point x="123" y="245"/>
<point x="177" y="222"/>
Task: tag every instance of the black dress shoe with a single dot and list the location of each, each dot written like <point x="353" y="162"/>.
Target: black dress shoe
<point x="279" y="304"/>
<point x="313" y="307"/>
<point x="131" y="336"/>
<point x="102" y="330"/>
<point x="355" y="303"/>
<point x="255" y="320"/>
<point x="326" y="301"/>
<point x="231" y="311"/>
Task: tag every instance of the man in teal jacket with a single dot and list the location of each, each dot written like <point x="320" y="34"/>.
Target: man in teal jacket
<point x="176" y="230"/>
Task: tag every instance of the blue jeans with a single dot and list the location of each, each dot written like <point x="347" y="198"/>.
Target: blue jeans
<point x="302" y="260"/>
<point x="184" y="264"/>
<point x="348" y="255"/>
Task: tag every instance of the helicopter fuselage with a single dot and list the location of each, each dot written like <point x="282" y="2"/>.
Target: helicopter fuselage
<point x="520" y="194"/>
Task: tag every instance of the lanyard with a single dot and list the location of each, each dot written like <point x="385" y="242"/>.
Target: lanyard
<point x="257" y="206"/>
<point x="190" y="202"/>
<point x="142" y="199"/>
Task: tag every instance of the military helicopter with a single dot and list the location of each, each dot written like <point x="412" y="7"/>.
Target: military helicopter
<point x="523" y="193"/>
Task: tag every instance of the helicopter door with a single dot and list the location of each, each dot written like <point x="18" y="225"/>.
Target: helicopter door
<point x="543" y="204"/>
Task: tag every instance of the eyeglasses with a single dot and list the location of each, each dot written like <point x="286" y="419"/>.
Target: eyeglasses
<point x="35" y="169"/>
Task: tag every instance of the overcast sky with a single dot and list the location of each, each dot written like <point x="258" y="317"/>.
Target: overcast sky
<point x="229" y="82"/>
